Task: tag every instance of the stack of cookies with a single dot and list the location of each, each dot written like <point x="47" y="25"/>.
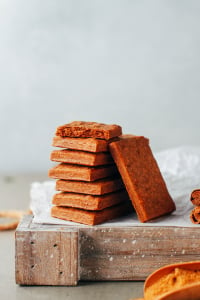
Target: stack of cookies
<point x="91" y="189"/>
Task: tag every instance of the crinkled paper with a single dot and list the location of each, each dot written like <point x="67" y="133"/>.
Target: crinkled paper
<point x="180" y="168"/>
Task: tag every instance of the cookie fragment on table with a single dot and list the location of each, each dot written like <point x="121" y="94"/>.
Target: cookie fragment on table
<point x="89" y="129"/>
<point x="142" y="177"/>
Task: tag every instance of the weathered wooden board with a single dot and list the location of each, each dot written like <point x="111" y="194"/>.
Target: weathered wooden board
<point x="45" y="256"/>
<point x="63" y="255"/>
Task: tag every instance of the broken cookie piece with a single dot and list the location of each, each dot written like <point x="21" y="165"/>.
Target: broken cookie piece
<point x="89" y="129"/>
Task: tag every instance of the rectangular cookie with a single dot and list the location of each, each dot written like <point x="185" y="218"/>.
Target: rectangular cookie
<point x="89" y="202"/>
<point x="91" y="217"/>
<point x="81" y="157"/>
<point x="89" y="129"/>
<point x="83" y="144"/>
<point x="142" y="177"/>
<point x="85" y="173"/>
<point x="98" y="187"/>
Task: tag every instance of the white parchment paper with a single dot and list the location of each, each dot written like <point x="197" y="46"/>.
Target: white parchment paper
<point x="180" y="168"/>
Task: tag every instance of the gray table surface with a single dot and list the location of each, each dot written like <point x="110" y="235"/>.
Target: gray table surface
<point x="14" y="194"/>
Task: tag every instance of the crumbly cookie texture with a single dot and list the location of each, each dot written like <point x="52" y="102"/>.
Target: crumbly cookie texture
<point x="89" y="129"/>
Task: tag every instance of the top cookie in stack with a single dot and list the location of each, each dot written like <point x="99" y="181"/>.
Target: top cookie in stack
<point x="89" y="129"/>
<point x="91" y="188"/>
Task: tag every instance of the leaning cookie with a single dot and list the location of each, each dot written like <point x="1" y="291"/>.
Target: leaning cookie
<point x="142" y="177"/>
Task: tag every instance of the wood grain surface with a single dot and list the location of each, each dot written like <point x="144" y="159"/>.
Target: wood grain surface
<point x="63" y="255"/>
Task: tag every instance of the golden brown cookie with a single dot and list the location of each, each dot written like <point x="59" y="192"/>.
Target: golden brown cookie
<point x="89" y="202"/>
<point x="83" y="144"/>
<point x="98" y="187"/>
<point x="85" y="173"/>
<point x="142" y="177"/>
<point x="91" y="217"/>
<point x="81" y="157"/>
<point x="89" y="129"/>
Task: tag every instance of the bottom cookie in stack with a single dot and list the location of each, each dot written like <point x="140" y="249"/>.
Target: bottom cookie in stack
<point x="91" y="217"/>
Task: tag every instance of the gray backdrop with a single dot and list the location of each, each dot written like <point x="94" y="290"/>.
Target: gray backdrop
<point x="134" y="63"/>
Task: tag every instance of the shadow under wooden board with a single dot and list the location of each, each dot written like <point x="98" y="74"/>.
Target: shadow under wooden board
<point x="65" y="255"/>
